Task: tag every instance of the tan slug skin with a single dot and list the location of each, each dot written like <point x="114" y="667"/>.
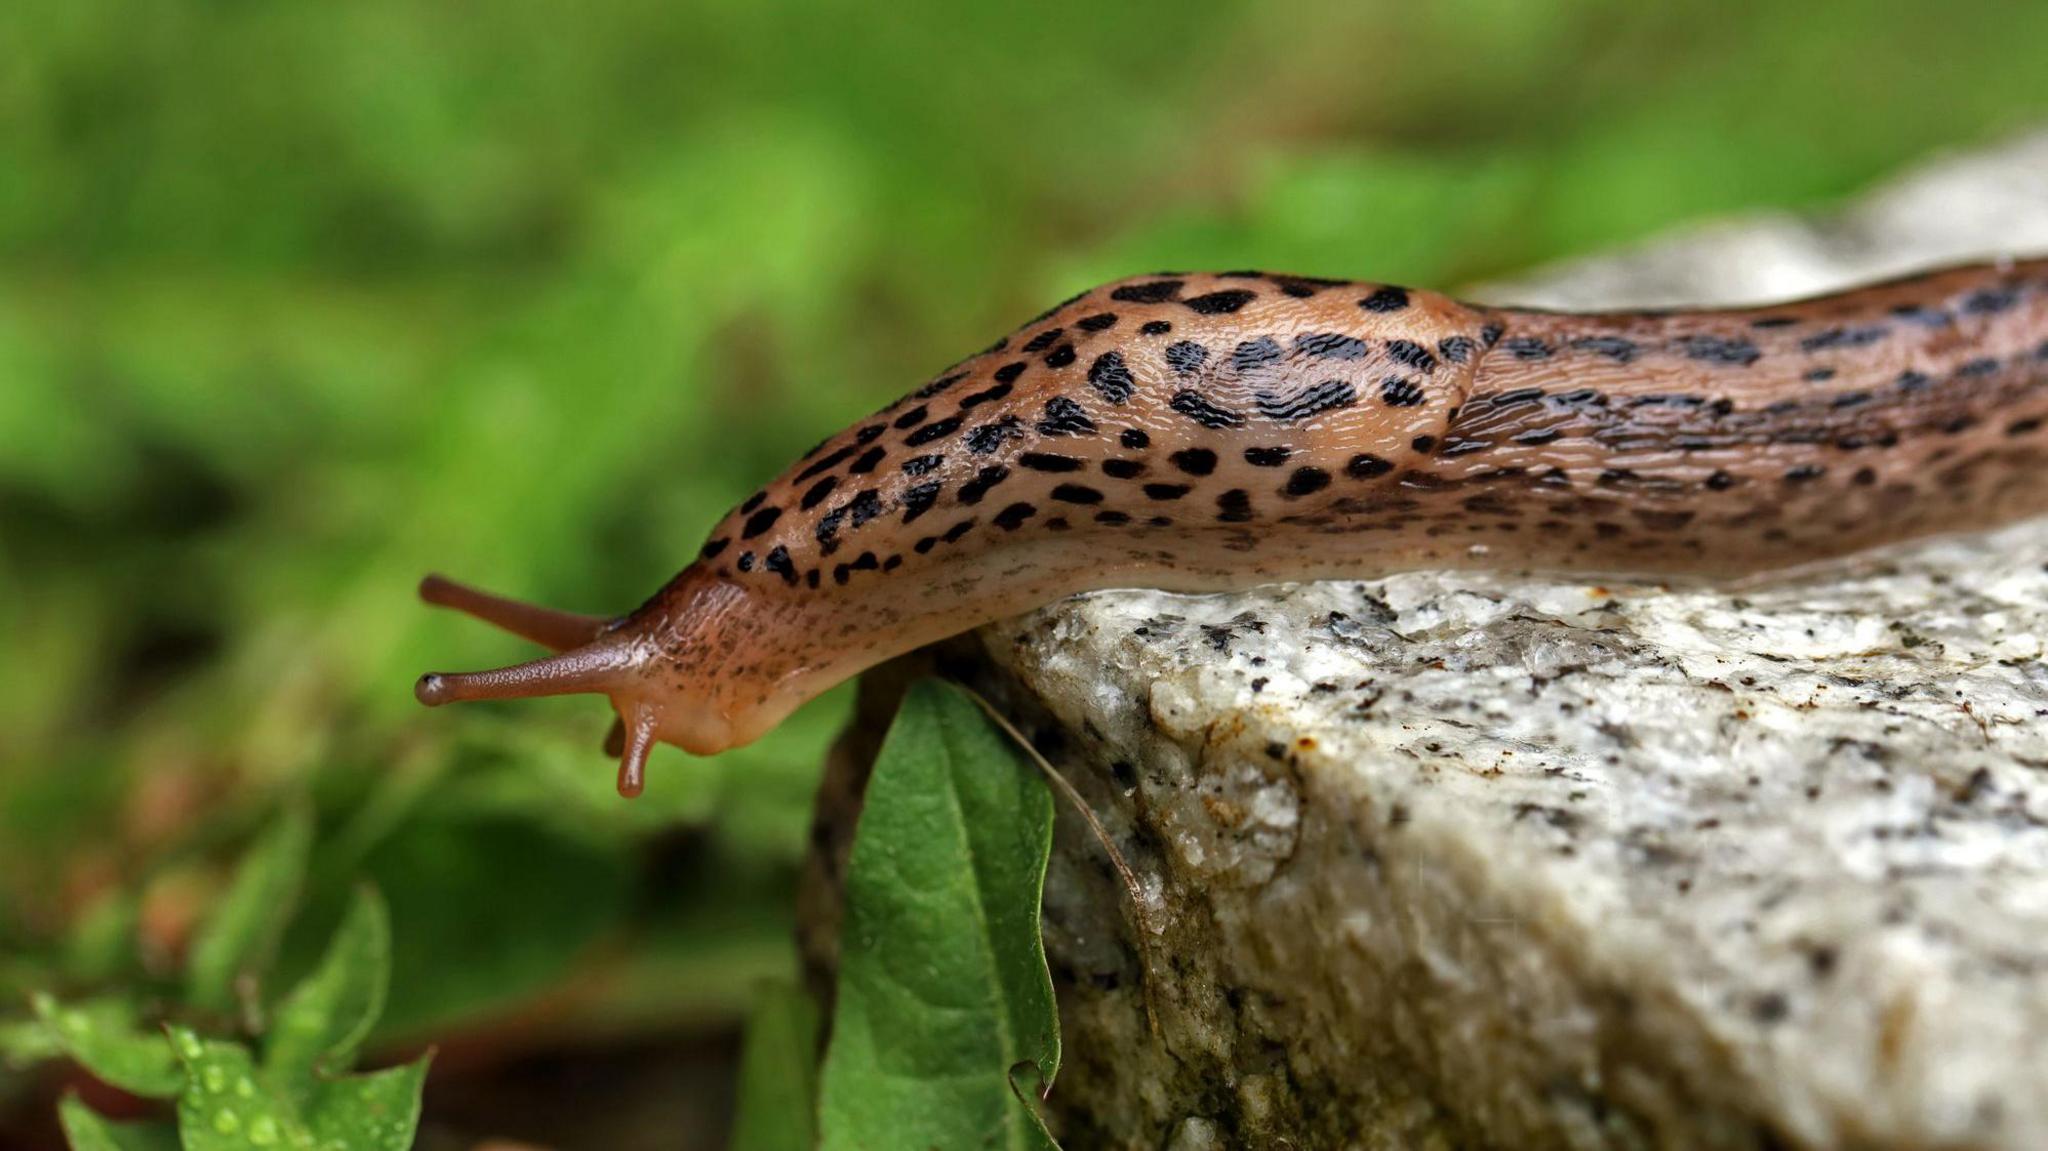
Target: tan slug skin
<point x="1208" y="432"/>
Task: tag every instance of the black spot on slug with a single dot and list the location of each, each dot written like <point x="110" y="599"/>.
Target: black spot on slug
<point x="1720" y="350"/>
<point x="1615" y="348"/>
<point x="1064" y="417"/>
<point x="1456" y="349"/>
<point x="1047" y="462"/>
<point x="920" y="465"/>
<point x="714" y="548"/>
<point x="1306" y="481"/>
<point x="1327" y="396"/>
<point x="1365" y="466"/>
<point x="1076" y="494"/>
<point x="911" y="418"/>
<point x="988" y="396"/>
<point x="1332" y="346"/>
<point x="1134" y="439"/>
<point x="1397" y="392"/>
<point x="818" y="492"/>
<point x="988" y="437"/>
<point x="1258" y="353"/>
<point x="1011" y="518"/>
<point x="1991" y="301"/>
<point x="973" y="490"/>
<point x="1060" y="357"/>
<point x="1234" y="506"/>
<point x="1194" y="461"/>
<point x="827" y="530"/>
<point x="1411" y="354"/>
<point x="1008" y="373"/>
<point x="865" y="506"/>
<point x="1267" y="457"/>
<point x="1166" y="491"/>
<point x="1186" y="356"/>
<point x="1152" y="292"/>
<point x="1220" y="303"/>
<point x="1154" y="328"/>
<point x="1196" y="407"/>
<point x="919" y="500"/>
<point x="777" y="561"/>
<point x="1111" y="378"/>
<point x="1123" y="469"/>
<point x="1386" y="299"/>
<point x="760" y="522"/>
<point x="936" y="430"/>
<point x="867" y="461"/>
<point x="1099" y="322"/>
<point x="1043" y="340"/>
<point x="1843" y="338"/>
<point x="1527" y="348"/>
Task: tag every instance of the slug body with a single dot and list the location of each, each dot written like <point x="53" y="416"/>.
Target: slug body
<point x="1208" y="432"/>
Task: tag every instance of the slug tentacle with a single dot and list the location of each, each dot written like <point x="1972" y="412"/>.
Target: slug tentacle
<point x="1208" y="432"/>
<point x="559" y="630"/>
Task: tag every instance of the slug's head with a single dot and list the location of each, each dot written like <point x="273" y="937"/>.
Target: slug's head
<point x="660" y="666"/>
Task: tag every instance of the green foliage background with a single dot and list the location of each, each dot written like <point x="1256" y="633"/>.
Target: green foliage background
<point x="298" y="301"/>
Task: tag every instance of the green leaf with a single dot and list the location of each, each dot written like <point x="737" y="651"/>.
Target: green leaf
<point x="27" y="1042"/>
<point x="238" y="939"/>
<point x="224" y="1107"/>
<point x="374" y="1112"/>
<point x="103" y="1036"/>
<point x="101" y="945"/>
<point x="942" y="980"/>
<point x="86" y="1130"/>
<point x="324" y="1021"/>
<point x="778" y="1103"/>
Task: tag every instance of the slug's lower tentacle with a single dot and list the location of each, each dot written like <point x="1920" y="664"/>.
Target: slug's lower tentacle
<point x="1203" y="433"/>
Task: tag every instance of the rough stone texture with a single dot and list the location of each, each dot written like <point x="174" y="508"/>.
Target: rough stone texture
<point x="1470" y="861"/>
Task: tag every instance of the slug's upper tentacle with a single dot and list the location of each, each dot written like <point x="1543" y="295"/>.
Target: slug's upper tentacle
<point x="1210" y="432"/>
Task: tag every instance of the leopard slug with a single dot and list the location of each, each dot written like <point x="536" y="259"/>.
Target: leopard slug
<point x="1199" y="433"/>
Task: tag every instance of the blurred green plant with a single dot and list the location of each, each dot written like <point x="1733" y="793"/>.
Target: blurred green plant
<point x="299" y="1094"/>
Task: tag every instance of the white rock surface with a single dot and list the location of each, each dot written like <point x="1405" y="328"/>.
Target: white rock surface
<point x="1470" y="861"/>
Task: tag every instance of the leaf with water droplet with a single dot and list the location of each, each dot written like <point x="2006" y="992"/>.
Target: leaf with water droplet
<point x="87" y="1130"/>
<point x="377" y="1111"/>
<point x="223" y="1105"/>
<point x="240" y="936"/>
<point x="942" y="984"/>
<point x="324" y="1021"/>
<point x="104" y="1036"/>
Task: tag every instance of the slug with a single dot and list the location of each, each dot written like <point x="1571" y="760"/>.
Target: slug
<point x="1200" y="433"/>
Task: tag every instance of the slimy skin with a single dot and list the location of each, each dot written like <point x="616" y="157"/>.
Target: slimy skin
<point x="1202" y="433"/>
